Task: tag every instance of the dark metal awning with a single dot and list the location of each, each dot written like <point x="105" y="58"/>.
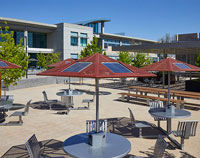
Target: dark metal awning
<point x="192" y="47"/>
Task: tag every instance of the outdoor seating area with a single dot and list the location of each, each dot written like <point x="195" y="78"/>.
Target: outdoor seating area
<point x="106" y="136"/>
<point x="118" y="118"/>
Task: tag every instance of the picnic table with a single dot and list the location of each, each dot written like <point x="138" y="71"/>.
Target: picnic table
<point x="174" y="93"/>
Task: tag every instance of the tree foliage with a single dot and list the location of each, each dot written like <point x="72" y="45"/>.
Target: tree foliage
<point x="91" y="48"/>
<point x="14" y="53"/>
<point x="125" y="57"/>
<point x="46" y="59"/>
<point x="141" y="60"/>
<point x="197" y="60"/>
<point x="167" y="38"/>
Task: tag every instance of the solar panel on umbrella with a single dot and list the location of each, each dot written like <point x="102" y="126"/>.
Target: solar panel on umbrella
<point x="182" y="66"/>
<point x="77" y="67"/>
<point x="116" y="67"/>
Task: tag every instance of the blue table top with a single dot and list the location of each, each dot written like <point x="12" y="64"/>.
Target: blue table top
<point x="116" y="146"/>
<point x="67" y="93"/>
<point x="161" y="112"/>
<point x="5" y="104"/>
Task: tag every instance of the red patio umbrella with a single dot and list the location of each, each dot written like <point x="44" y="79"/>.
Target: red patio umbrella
<point x="61" y="63"/>
<point x="66" y="61"/>
<point x="6" y="65"/>
<point x="170" y="65"/>
<point x="97" y="66"/>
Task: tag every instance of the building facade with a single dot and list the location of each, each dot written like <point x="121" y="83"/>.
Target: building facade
<point x="68" y="39"/>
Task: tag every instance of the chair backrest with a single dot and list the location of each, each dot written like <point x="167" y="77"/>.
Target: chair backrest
<point x="132" y="117"/>
<point x="160" y="147"/>
<point x="33" y="147"/>
<point x="26" y="108"/>
<point x="45" y="95"/>
<point x="188" y="128"/>
<point x="156" y="104"/>
<point x="91" y="126"/>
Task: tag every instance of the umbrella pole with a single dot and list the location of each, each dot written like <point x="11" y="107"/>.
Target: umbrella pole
<point x="168" y="88"/>
<point x="97" y="105"/>
<point x="69" y="83"/>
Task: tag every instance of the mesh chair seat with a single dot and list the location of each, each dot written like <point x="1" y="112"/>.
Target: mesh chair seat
<point x="34" y="148"/>
<point x="48" y="101"/>
<point x="18" y="113"/>
<point x="22" y="113"/>
<point x="159" y="148"/>
<point x="138" y="124"/>
<point x="185" y="129"/>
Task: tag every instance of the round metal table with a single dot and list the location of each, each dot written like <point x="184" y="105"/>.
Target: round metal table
<point x="161" y="112"/>
<point x="116" y="146"/>
<point x="67" y="96"/>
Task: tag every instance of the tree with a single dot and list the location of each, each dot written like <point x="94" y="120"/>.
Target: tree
<point x="141" y="60"/>
<point x="14" y="53"/>
<point x="91" y="48"/>
<point x="125" y="57"/>
<point x="197" y="60"/>
<point x="46" y="59"/>
<point x="167" y="38"/>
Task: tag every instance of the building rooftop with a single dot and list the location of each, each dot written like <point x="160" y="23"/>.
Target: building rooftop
<point x="27" y="23"/>
<point x="92" y="21"/>
<point x="127" y="37"/>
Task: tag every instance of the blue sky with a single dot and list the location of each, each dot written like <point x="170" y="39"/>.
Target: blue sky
<point x="150" y="19"/>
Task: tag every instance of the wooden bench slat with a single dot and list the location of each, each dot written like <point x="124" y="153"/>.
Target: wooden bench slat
<point x="152" y="97"/>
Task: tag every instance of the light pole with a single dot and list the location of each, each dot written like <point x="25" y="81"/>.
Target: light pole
<point x="26" y="44"/>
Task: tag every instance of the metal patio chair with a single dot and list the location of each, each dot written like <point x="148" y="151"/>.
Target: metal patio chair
<point x="22" y="113"/>
<point x="154" y="105"/>
<point x="138" y="124"/>
<point x="185" y="129"/>
<point x="47" y="101"/>
<point x="159" y="149"/>
<point x="88" y="101"/>
<point x="34" y="148"/>
<point x="91" y="125"/>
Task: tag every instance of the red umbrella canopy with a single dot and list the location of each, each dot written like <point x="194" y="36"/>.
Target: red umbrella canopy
<point x="97" y="66"/>
<point x="171" y="65"/>
<point x="7" y="65"/>
<point x="63" y="62"/>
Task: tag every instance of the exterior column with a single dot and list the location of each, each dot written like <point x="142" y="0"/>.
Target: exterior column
<point x="102" y="32"/>
<point x="26" y="38"/>
<point x="120" y="43"/>
<point x="102" y="27"/>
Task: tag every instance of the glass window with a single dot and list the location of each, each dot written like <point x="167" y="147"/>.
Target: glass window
<point x="111" y="42"/>
<point x="74" y="56"/>
<point x="74" y="38"/>
<point x="37" y="40"/>
<point x="83" y="39"/>
<point x="18" y="35"/>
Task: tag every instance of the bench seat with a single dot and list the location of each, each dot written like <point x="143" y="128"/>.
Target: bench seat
<point x="178" y="102"/>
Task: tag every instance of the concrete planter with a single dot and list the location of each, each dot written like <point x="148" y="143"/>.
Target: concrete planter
<point x="192" y="85"/>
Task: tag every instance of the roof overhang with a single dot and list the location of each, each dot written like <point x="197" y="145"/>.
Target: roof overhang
<point x="126" y="37"/>
<point x="21" y="24"/>
<point x="192" y="47"/>
<point x="92" y="21"/>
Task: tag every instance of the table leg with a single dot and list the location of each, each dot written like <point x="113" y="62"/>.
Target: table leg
<point x="169" y="122"/>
